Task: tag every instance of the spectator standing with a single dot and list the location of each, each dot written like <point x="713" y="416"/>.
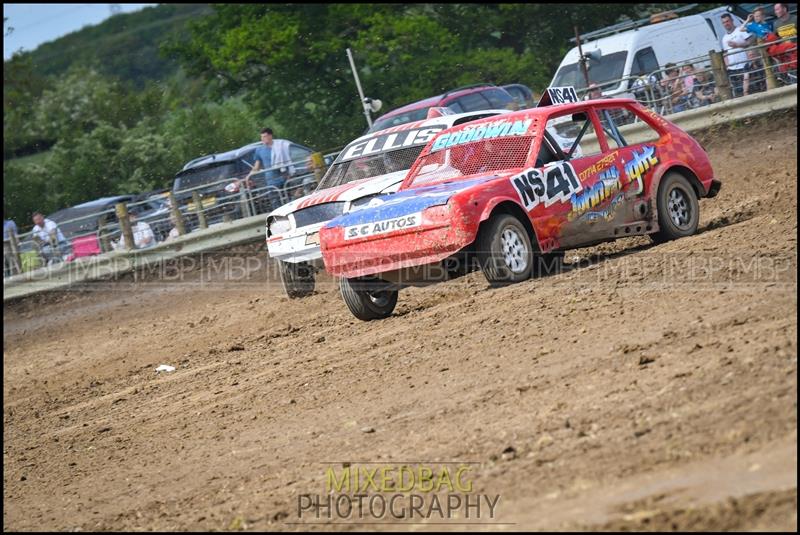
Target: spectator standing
<point x="273" y="156"/>
<point x="9" y="228"/>
<point x="735" y="60"/>
<point x="52" y="243"/>
<point x="785" y="24"/>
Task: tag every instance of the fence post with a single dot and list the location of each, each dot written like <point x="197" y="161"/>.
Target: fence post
<point x="772" y="83"/>
<point x="16" y="261"/>
<point x="102" y="235"/>
<point x="243" y="201"/>
<point x="198" y="207"/>
<point x="176" y="214"/>
<point x="125" y="225"/>
<point x="720" y="74"/>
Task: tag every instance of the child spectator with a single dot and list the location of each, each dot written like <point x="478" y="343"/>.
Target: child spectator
<point x="755" y="24"/>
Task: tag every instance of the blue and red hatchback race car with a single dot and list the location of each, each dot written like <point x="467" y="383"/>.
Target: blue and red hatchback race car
<point x="502" y="192"/>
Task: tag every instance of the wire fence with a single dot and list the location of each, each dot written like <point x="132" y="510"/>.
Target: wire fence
<point x="707" y="79"/>
<point x="161" y="217"/>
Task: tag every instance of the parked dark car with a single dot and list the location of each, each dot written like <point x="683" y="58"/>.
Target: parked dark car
<point x="463" y="99"/>
<point x="217" y="180"/>
<point x="82" y="224"/>
<point x="522" y="95"/>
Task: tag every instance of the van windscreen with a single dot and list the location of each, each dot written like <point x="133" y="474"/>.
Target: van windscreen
<point x="608" y="68"/>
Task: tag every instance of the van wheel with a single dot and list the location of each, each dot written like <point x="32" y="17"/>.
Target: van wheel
<point x="368" y="298"/>
<point x="504" y="250"/>
<point x="298" y="279"/>
<point x="678" y="208"/>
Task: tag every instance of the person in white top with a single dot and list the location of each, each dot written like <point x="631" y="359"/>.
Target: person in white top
<point x="735" y="60"/>
<point x="143" y="236"/>
<point x="45" y="233"/>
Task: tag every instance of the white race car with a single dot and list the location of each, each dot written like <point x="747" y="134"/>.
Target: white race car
<point x="369" y="166"/>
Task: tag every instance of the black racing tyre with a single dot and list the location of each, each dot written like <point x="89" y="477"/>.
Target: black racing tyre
<point x="504" y="251"/>
<point x="298" y="279"/>
<point x="678" y="208"/>
<point x="368" y="298"/>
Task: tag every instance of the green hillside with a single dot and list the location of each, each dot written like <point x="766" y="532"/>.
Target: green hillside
<point x="125" y="46"/>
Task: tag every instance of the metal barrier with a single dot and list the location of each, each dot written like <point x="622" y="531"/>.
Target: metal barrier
<point x="23" y="252"/>
<point x="683" y="86"/>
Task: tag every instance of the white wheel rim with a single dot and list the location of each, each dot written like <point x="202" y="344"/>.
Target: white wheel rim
<point x="679" y="209"/>
<point x="515" y="253"/>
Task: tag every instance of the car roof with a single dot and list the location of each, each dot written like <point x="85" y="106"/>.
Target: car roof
<point x="221" y="157"/>
<point x="432" y="101"/>
<point x="538" y="113"/>
<point x="447" y="120"/>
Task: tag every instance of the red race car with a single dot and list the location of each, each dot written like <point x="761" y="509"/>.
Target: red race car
<point x="501" y="191"/>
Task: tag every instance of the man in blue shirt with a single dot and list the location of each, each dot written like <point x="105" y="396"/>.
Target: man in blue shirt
<point x="273" y="178"/>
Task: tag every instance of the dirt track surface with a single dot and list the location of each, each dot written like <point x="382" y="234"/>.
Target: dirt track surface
<point x="648" y="387"/>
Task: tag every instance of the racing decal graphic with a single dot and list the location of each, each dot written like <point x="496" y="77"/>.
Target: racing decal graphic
<point x="395" y="140"/>
<point x="312" y="239"/>
<point x="484" y="131"/>
<point x="600" y="165"/>
<point x="383" y="227"/>
<point x="557" y="182"/>
<point x="640" y="165"/>
<point x="605" y="214"/>
<point x="607" y="185"/>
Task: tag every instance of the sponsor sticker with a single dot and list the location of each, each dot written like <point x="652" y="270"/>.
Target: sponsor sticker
<point x="312" y="239"/>
<point x="383" y="227"/>
<point x="502" y="128"/>
<point x="395" y="140"/>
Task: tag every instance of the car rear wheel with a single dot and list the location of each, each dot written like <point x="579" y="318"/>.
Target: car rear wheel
<point x="368" y="298"/>
<point x="678" y="208"/>
<point x="504" y="250"/>
<point x="298" y="279"/>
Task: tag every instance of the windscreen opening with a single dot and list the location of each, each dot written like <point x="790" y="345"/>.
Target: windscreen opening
<point x="488" y="155"/>
<point x="607" y="69"/>
<point x="370" y="166"/>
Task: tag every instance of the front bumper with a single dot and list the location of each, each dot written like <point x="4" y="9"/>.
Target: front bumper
<point x="390" y="253"/>
<point x="303" y="246"/>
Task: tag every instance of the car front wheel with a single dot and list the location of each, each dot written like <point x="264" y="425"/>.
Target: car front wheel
<point x="368" y="298"/>
<point x="504" y="250"/>
<point x="298" y="279"/>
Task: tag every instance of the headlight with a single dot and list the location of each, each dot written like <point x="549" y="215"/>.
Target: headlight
<point x="279" y="225"/>
<point x="365" y="202"/>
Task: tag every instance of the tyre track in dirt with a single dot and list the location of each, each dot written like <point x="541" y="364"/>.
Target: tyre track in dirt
<point x="634" y="363"/>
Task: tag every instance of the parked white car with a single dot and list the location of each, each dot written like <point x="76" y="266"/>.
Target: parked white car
<point x="369" y="166"/>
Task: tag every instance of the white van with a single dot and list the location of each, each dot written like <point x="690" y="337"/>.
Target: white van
<point x="643" y="50"/>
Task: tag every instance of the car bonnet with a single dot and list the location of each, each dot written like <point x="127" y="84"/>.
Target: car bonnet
<point x="407" y="202"/>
